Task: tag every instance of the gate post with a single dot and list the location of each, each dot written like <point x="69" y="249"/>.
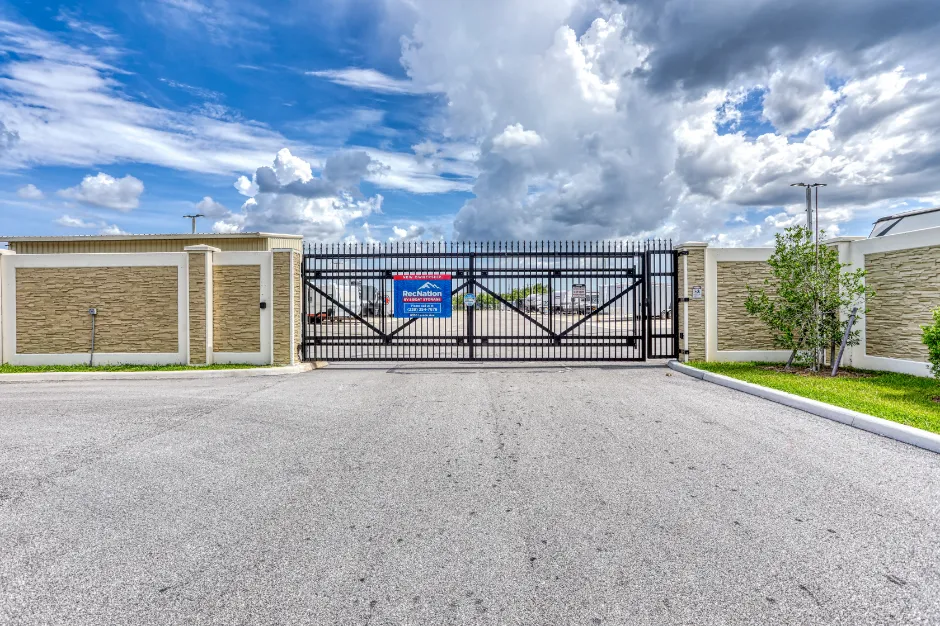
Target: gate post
<point x="692" y="274"/>
<point x="471" y="288"/>
<point x="647" y="308"/>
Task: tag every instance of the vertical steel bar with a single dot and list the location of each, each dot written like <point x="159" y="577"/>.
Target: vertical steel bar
<point x="471" y="288"/>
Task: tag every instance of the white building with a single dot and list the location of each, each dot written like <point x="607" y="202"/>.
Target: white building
<point x="906" y="222"/>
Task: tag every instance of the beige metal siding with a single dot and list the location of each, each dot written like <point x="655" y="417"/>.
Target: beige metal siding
<point x="236" y="313"/>
<point x="736" y="329"/>
<point x="247" y="244"/>
<point x="284" y="242"/>
<point x="137" y="309"/>
<point x="907" y="289"/>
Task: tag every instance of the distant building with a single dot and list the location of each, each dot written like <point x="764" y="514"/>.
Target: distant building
<point x="77" y="244"/>
<point x="906" y="222"/>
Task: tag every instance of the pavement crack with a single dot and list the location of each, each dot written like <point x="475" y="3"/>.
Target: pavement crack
<point x="810" y="594"/>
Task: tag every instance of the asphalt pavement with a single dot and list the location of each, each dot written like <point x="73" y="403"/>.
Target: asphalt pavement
<point x="464" y="494"/>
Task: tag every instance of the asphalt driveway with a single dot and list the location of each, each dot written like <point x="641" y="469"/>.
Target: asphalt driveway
<point x="521" y="494"/>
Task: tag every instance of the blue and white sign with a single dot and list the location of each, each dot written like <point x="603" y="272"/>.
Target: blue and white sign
<point x="422" y="295"/>
<point x="470" y="300"/>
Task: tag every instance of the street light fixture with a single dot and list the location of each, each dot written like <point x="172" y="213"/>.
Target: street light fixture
<point x="809" y="209"/>
<point x="193" y="218"/>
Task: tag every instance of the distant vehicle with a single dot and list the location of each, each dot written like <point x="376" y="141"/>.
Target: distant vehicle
<point x="371" y="299"/>
<point x="560" y="302"/>
<point x="533" y="303"/>
<point x="344" y="301"/>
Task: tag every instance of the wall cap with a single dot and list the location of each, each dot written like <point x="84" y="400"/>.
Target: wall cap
<point x="2" y="252"/>
<point x="284" y="250"/>
<point x="692" y="244"/>
<point x="842" y="240"/>
<point x="201" y="248"/>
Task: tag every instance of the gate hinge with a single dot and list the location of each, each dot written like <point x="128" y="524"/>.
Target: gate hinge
<point x="683" y="253"/>
<point x="685" y="300"/>
<point x="681" y="335"/>
<point x="684" y="352"/>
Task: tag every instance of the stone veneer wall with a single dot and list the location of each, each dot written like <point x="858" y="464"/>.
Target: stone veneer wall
<point x="197" y="308"/>
<point x="137" y="309"/>
<point x="696" y="264"/>
<point x="736" y="329"/>
<point x="236" y="313"/>
<point x="282" y="304"/>
<point x="907" y="289"/>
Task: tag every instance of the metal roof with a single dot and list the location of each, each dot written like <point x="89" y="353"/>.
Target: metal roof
<point x="906" y="214"/>
<point x="145" y="237"/>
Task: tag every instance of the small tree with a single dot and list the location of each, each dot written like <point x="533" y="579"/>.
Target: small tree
<point x="932" y="341"/>
<point x="804" y="301"/>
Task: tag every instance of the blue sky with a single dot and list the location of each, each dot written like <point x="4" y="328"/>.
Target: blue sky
<point x="405" y="119"/>
<point x="254" y="74"/>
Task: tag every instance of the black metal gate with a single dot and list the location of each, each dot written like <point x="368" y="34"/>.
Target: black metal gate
<point x="543" y="301"/>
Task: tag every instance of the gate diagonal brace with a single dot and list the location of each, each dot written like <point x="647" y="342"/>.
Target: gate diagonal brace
<point x="601" y="308"/>
<point x="516" y="309"/>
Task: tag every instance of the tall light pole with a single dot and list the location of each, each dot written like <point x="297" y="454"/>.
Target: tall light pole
<point x="193" y="218"/>
<point x="809" y="225"/>
<point x="809" y="210"/>
<point x="809" y="205"/>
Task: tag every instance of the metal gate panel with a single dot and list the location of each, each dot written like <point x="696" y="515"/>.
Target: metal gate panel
<point x="544" y="301"/>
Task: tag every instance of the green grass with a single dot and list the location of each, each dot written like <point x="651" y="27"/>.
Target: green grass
<point x="897" y="397"/>
<point x="39" y="369"/>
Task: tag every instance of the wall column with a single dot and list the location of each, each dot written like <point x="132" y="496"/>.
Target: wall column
<point x="695" y="335"/>
<point x="298" y="292"/>
<point x="3" y="253"/>
<point x="845" y="248"/>
<point x="200" y="304"/>
<point x="285" y="315"/>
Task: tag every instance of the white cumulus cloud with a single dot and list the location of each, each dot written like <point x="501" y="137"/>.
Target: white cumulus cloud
<point x="74" y="222"/>
<point x="121" y="194"/>
<point x="515" y="136"/>
<point x="112" y="229"/>
<point x="287" y="197"/>
<point x="30" y="192"/>
<point x="645" y="125"/>
<point x="210" y="208"/>
<point x="412" y="233"/>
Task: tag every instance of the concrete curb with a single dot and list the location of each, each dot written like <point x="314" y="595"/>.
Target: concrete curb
<point x="891" y="430"/>
<point x="46" y="377"/>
